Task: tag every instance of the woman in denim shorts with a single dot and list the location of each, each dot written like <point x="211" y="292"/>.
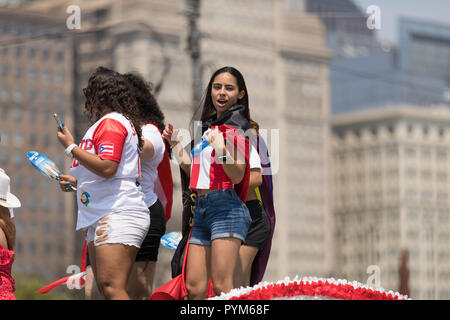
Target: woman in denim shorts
<point x="217" y="168"/>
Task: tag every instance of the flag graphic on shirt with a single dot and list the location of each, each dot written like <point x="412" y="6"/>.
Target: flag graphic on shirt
<point x="106" y="149"/>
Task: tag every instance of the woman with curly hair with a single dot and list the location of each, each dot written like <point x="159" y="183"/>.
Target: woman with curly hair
<point x="106" y="173"/>
<point x="153" y="154"/>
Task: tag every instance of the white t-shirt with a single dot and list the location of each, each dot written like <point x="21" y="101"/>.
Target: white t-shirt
<point x="11" y="212"/>
<point x="150" y="167"/>
<point x="254" y="160"/>
<point x="113" y="138"/>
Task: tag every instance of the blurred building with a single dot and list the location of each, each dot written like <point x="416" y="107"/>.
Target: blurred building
<point x="283" y="55"/>
<point x="367" y="73"/>
<point x="391" y="192"/>
<point x="35" y="81"/>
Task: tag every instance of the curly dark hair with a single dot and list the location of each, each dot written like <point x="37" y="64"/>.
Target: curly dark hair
<point x="149" y="108"/>
<point x="109" y="90"/>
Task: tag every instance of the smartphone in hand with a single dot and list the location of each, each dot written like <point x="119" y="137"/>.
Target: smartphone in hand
<point x="59" y="122"/>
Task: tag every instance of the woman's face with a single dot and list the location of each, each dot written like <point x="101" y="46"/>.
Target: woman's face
<point x="225" y="92"/>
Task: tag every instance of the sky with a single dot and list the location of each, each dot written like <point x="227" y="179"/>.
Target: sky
<point x="391" y="10"/>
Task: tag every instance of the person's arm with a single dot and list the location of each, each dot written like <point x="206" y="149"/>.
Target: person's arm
<point x="148" y="150"/>
<point x="255" y="179"/>
<point x="66" y="180"/>
<point x="234" y="166"/>
<point x="102" y="167"/>
<point x="182" y="157"/>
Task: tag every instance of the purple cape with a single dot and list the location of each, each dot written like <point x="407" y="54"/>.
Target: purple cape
<point x="266" y="190"/>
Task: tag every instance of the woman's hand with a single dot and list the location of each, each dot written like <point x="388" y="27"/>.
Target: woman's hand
<point x="169" y="135"/>
<point x="215" y="139"/>
<point x="65" y="137"/>
<point x="66" y="181"/>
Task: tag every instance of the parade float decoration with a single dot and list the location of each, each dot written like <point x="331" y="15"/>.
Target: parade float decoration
<point x="310" y="288"/>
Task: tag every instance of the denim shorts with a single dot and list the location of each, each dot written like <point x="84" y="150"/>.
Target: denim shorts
<point x="219" y="214"/>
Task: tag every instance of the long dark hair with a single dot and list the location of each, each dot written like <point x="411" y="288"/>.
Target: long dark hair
<point x="8" y="227"/>
<point x="148" y="106"/>
<point x="108" y="89"/>
<point x="208" y="109"/>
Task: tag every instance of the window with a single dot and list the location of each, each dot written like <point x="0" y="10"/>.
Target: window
<point x="45" y="54"/>
<point x="33" y="249"/>
<point x="45" y="75"/>
<point x="31" y="74"/>
<point x="18" y="51"/>
<point x="45" y="96"/>
<point x="18" y="181"/>
<point x="18" y="94"/>
<point x="18" y="139"/>
<point x="18" y="114"/>
<point x="32" y="94"/>
<point x="31" y="53"/>
<point x="18" y="159"/>
<point x="4" y="137"/>
<point x="33" y="203"/>
<point x="5" y="70"/>
<point x="32" y="183"/>
<point x="33" y="139"/>
<point x="18" y="72"/>
<point x="61" y="206"/>
<point x="4" y="94"/>
<point x="59" y="76"/>
<point x="59" y="56"/>
<point x="4" y="158"/>
<point x="46" y="140"/>
<point x="5" y="112"/>
<point x="59" y="98"/>
<point x="46" y="205"/>
<point x="47" y="248"/>
<point x="33" y="115"/>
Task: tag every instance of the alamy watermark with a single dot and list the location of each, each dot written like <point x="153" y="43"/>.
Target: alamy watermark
<point x="374" y="280"/>
<point x="267" y="147"/>
<point x="374" y="19"/>
<point x="74" y="20"/>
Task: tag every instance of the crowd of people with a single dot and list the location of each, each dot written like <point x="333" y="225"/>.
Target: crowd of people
<point x="117" y="168"/>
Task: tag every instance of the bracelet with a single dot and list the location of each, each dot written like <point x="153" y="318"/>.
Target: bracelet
<point x="69" y="149"/>
<point x="226" y="157"/>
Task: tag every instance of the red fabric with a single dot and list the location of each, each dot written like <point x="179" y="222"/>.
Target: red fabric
<point x="7" y="286"/>
<point x="78" y="279"/>
<point x="53" y="285"/>
<point x="84" y="257"/>
<point x="110" y="134"/>
<point x="165" y="178"/>
<point x="174" y="289"/>
<point x="218" y="180"/>
<point x="243" y="147"/>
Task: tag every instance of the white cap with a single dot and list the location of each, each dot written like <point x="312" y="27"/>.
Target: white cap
<point x="7" y="199"/>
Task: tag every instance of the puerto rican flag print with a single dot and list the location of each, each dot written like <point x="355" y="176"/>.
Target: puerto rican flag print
<point x="106" y="149"/>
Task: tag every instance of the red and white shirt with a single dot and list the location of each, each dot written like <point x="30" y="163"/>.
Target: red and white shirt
<point x="206" y="170"/>
<point x="112" y="138"/>
<point x="150" y="167"/>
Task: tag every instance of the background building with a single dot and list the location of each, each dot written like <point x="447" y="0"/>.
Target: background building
<point x="35" y="82"/>
<point x="391" y="192"/>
